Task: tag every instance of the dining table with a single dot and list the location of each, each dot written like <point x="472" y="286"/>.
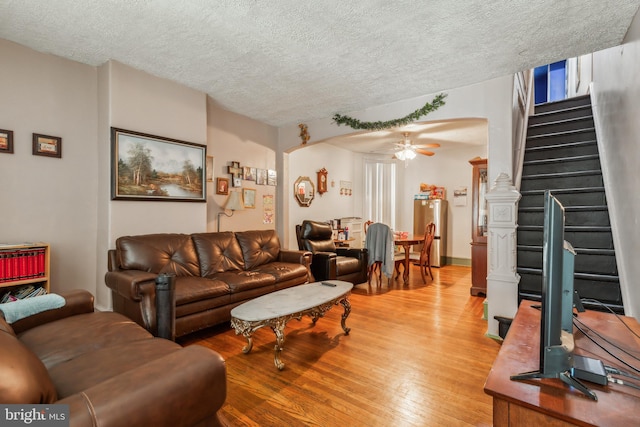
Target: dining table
<point x="406" y="243"/>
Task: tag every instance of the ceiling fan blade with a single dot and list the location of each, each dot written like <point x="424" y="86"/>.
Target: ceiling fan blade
<point x="432" y="145"/>
<point x="425" y="152"/>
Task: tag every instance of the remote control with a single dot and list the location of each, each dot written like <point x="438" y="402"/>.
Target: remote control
<point x="333" y="285"/>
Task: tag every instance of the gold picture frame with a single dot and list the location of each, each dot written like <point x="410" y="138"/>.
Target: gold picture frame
<point x="164" y="179"/>
<point x="249" y="198"/>
<point x="222" y="186"/>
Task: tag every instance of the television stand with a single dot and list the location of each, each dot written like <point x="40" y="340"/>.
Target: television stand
<point x="550" y="402"/>
<point x="565" y="376"/>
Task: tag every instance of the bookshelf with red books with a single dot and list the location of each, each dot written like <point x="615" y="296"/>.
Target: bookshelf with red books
<point x="24" y="264"/>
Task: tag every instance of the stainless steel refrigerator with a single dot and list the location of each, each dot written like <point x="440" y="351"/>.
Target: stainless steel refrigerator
<point x="434" y="210"/>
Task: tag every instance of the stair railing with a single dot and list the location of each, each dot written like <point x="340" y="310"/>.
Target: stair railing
<point x="522" y="105"/>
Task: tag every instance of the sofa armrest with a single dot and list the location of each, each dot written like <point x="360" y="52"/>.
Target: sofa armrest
<point x="78" y="301"/>
<point x="300" y="257"/>
<point x="182" y="388"/>
<point x="129" y="283"/>
<point x="359" y="253"/>
<point x="324" y="266"/>
<point x="134" y="295"/>
<point x="112" y="260"/>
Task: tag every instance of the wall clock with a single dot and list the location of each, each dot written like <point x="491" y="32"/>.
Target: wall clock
<point x="322" y="181"/>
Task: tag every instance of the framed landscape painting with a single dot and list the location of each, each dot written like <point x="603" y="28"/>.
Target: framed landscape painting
<point x="149" y="167"/>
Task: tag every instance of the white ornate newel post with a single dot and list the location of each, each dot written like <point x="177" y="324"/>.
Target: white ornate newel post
<point x="502" y="277"/>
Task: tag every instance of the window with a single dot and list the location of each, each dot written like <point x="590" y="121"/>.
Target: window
<point x="380" y="191"/>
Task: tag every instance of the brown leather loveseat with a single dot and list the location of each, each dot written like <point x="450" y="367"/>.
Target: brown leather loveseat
<point x="107" y="369"/>
<point x="214" y="272"/>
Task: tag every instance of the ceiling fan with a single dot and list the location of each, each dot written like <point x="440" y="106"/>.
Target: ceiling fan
<point x="408" y="151"/>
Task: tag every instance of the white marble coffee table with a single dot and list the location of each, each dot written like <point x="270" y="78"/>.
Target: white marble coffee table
<point x="277" y="308"/>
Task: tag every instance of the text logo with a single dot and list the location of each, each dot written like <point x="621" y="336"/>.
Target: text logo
<point x="34" y="415"/>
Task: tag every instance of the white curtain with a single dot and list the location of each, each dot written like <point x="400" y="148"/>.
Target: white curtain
<point x="380" y="191"/>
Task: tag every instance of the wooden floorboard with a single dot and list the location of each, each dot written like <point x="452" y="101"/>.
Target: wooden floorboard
<point x="417" y="355"/>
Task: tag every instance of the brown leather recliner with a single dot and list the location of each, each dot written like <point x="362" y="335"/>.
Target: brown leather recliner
<point x="331" y="262"/>
<point x="110" y="371"/>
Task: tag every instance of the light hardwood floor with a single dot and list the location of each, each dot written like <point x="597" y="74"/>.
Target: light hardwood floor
<point x="417" y="355"/>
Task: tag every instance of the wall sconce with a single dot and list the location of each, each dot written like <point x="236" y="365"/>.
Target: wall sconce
<point x="234" y="203"/>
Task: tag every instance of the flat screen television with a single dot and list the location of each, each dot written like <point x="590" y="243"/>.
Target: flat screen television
<point x="556" y="327"/>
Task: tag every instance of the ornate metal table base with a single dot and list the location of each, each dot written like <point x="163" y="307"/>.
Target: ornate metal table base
<point x="247" y="328"/>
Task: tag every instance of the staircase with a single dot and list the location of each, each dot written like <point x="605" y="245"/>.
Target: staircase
<point x="561" y="155"/>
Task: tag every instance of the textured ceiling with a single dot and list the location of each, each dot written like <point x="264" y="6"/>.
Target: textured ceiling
<point x="289" y="61"/>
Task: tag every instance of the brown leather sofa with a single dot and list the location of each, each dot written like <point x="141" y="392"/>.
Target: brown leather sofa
<point x="109" y="370"/>
<point x="330" y="262"/>
<point x="214" y="272"/>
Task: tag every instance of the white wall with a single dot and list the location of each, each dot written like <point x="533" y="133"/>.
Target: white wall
<point x="490" y="100"/>
<point x="616" y="94"/>
<point x="133" y="100"/>
<point x="233" y="137"/>
<point x="144" y="103"/>
<point x="341" y="165"/>
<point x="449" y="169"/>
<point x="50" y="199"/>
<point x="66" y="202"/>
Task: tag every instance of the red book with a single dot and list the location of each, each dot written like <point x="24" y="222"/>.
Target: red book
<point x="22" y="264"/>
<point x="41" y="263"/>
<point x="32" y="263"/>
<point x="16" y="265"/>
<point x="9" y="275"/>
<point x="3" y="266"/>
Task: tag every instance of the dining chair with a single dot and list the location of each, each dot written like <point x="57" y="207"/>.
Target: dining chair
<point x="375" y="267"/>
<point x="423" y="258"/>
<point x="379" y="245"/>
<point x="366" y="226"/>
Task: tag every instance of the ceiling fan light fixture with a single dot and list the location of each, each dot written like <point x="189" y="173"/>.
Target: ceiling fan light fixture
<point x="409" y="154"/>
<point x="406" y="154"/>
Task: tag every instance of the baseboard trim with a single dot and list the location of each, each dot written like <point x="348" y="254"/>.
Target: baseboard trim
<point x="465" y="262"/>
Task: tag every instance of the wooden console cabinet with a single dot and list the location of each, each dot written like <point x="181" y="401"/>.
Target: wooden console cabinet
<point x="479" y="228"/>
<point x="550" y="402"/>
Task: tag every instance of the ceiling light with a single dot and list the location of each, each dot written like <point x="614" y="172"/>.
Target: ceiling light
<point x="409" y="154"/>
<point x="406" y="154"/>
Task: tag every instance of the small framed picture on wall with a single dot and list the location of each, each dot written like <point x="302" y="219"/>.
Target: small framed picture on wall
<point x="45" y="145"/>
<point x="249" y="197"/>
<point x="6" y="141"/>
<point x="222" y="186"/>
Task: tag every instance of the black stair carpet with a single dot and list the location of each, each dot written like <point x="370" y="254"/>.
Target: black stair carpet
<point x="561" y="155"/>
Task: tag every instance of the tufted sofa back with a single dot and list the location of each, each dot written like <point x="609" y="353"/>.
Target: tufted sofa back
<point x="258" y="247"/>
<point x="198" y="254"/>
<point x="158" y="253"/>
<point x="218" y="252"/>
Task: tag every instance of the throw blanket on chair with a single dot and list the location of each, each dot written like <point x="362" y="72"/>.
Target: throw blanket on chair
<point x="379" y="244"/>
